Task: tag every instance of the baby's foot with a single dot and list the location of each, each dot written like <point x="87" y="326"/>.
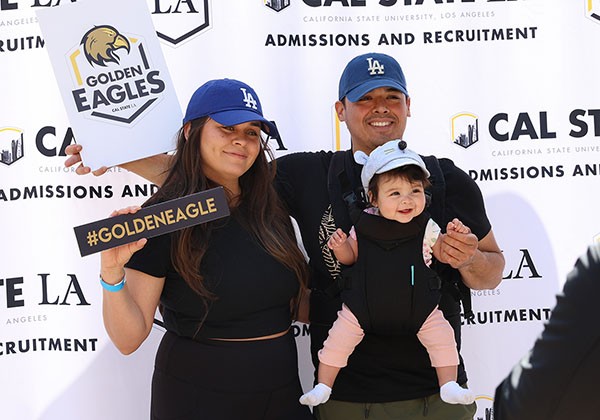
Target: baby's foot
<point x="318" y="395"/>
<point x="453" y="393"/>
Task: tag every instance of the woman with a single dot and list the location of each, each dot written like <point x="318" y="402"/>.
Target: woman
<point x="227" y="289"/>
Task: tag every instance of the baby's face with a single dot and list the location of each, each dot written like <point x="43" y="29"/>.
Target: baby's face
<point x="400" y="199"/>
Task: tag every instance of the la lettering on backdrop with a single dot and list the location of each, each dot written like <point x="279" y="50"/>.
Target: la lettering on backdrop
<point x="507" y="89"/>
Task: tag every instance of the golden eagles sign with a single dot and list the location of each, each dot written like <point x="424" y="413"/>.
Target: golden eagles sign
<point x="113" y="79"/>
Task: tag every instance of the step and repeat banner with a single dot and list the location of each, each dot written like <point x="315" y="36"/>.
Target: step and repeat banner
<point x="508" y="89"/>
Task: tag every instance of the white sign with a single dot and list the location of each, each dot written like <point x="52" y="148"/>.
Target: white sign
<point x="113" y="79"/>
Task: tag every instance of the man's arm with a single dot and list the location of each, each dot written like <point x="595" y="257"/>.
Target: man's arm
<point x="485" y="268"/>
<point x="477" y="255"/>
<point x="153" y="168"/>
<point x="480" y="263"/>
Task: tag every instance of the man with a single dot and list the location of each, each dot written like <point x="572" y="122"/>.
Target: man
<point x="386" y="377"/>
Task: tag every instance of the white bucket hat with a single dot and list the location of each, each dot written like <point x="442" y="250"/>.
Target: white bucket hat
<point x="388" y="156"/>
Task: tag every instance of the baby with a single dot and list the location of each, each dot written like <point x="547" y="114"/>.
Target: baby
<point x="395" y="179"/>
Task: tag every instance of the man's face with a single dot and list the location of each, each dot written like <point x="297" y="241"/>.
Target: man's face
<point x="379" y="116"/>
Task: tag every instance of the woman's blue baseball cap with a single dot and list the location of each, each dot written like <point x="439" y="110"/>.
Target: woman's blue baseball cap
<point x="370" y="71"/>
<point x="228" y="102"/>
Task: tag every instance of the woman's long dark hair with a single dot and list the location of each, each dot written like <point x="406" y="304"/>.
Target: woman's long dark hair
<point x="258" y="209"/>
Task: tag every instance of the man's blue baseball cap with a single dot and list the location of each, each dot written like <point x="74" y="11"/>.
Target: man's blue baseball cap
<point x="370" y="71"/>
<point x="228" y="102"/>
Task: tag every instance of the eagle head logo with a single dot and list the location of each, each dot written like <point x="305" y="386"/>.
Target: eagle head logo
<point x="100" y="44"/>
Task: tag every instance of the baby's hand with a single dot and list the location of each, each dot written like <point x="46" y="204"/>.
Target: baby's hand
<point x="337" y="239"/>
<point x="457" y="226"/>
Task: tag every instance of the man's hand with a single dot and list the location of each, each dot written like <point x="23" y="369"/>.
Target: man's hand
<point x="458" y="245"/>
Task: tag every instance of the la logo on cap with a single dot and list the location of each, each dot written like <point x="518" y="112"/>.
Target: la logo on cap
<point x="375" y="67"/>
<point x="248" y="99"/>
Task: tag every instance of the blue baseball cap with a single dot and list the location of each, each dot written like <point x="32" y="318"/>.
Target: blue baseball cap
<point x="370" y="71"/>
<point x="228" y="102"/>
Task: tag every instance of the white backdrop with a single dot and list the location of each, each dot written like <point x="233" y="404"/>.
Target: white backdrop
<point x="521" y="73"/>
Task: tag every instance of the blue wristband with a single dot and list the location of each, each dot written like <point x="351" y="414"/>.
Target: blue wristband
<point x="113" y="287"/>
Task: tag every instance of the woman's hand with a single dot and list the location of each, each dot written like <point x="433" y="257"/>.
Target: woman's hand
<point x="113" y="260"/>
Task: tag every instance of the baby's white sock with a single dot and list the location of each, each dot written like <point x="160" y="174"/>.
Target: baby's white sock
<point x="318" y="395"/>
<point x="453" y="393"/>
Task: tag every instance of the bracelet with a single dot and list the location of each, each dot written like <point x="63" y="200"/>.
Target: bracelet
<point x="113" y="287"/>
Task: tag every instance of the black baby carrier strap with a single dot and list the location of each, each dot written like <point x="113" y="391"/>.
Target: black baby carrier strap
<point x="436" y="194"/>
<point x="347" y="201"/>
<point x="451" y="279"/>
<point x="345" y="190"/>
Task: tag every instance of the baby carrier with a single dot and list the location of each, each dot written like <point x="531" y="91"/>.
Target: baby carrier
<point x="348" y="201"/>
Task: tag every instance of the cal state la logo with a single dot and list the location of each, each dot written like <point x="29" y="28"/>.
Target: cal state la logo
<point x="113" y="76"/>
<point x="277" y="5"/>
<point x="11" y="145"/>
<point x="465" y="129"/>
<point x="592" y="10"/>
<point x="177" y="21"/>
